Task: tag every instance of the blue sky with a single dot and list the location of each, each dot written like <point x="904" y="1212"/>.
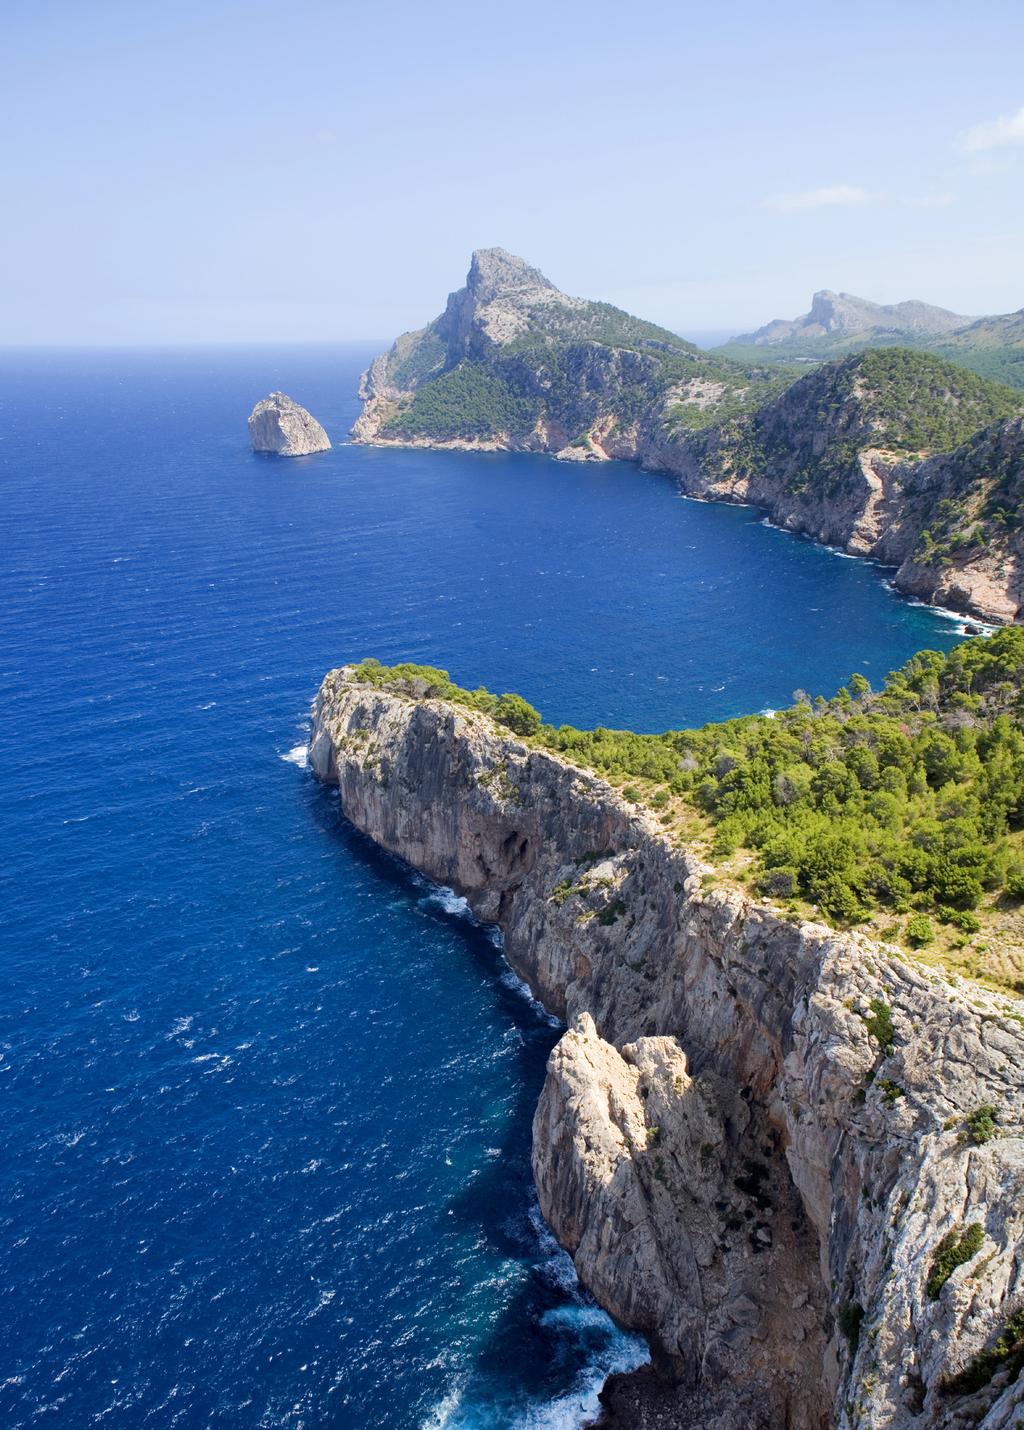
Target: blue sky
<point x="247" y="171"/>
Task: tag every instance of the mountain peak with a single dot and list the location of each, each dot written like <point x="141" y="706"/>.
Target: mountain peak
<point x="495" y="273"/>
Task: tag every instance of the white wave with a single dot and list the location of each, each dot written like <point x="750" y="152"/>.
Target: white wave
<point x="623" y="1352"/>
<point x="449" y="902"/>
<point x="297" y="755"/>
<point x="508" y="978"/>
<point x="442" y="1415"/>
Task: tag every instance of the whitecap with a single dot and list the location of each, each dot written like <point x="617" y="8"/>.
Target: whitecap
<point x="297" y="755"/>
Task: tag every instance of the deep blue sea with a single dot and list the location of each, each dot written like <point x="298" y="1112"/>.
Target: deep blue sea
<point x="266" y="1094"/>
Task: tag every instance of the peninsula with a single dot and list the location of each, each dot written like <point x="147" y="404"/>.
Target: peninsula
<point x="890" y="453"/>
<point x="789" y="1153"/>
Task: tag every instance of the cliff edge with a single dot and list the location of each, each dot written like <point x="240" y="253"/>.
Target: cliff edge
<point x="789" y="1156"/>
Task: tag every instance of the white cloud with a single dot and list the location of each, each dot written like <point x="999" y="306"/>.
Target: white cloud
<point x="834" y="196"/>
<point x="933" y="201"/>
<point x="994" y="134"/>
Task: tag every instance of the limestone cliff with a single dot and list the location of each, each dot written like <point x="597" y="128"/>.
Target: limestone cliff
<point x="839" y="454"/>
<point x="279" y="425"/>
<point x="759" y="1139"/>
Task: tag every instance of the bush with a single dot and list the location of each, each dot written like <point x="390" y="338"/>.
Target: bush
<point x="955" y="1249"/>
<point x="919" y="931"/>
<point x="981" y="1124"/>
<point x="517" y="714"/>
<point x="1014" y="886"/>
<point x="961" y="919"/>
<point x="880" y="1025"/>
<point x="1007" y="1351"/>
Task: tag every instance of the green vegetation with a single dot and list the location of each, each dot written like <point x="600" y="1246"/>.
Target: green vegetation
<point x="1007" y="1353"/>
<point x="904" y="401"/>
<point x="981" y="1124"/>
<point x="997" y="355"/>
<point x="470" y="401"/>
<point x="924" y="401"/>
<point x="955" y="1249"/>
<point x="427" y="682"/>
<point x="902" y="800"/>
<point x="880" y="1025"/>
<point x="908" y="801"/>
<point x="919" y="931"/>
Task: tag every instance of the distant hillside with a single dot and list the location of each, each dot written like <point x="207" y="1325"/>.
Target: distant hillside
<point x="838" y="324"/>
<point x="865" y="453"/>
<point x="841" y="318"/>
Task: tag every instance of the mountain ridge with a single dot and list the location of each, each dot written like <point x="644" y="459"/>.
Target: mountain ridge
<point x="849" y="316"/>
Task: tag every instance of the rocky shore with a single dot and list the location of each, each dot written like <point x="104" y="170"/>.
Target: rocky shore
<point x="790" y="1157"/>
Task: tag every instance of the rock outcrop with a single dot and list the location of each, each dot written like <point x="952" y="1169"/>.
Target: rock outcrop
<point x="766" y="1144"/>
<point x="281" y="426"/>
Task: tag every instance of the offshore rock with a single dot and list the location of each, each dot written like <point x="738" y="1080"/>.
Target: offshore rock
<point x="740" y="1169"/>
<point x="280" y="425"/>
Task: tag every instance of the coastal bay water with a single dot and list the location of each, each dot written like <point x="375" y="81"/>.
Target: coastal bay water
<point x="267" y="1095"/>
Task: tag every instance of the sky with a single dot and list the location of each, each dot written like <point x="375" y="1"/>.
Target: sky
<point x="235" y="172"/>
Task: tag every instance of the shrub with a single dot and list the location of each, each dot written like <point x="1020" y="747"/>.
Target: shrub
<point x="880" y="1025"/>
<point x="919" y="930"/>
<point x="517" y="714"/>
<point x="955" y="1249"/>
<point x="1007" y="1351"/>
<point x="1014" y="886"/>
<point x="981" y="1124"/>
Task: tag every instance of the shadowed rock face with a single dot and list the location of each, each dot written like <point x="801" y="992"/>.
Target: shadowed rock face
<point x="737" y="1165"/>
<point x="279" y="425"/>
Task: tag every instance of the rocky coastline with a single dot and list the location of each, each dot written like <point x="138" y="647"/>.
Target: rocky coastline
<point x="757" y="1138"/>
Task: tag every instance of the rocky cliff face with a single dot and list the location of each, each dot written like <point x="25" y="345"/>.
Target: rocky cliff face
<point x="279" y="425"/>
<point x="760" y="1140"/>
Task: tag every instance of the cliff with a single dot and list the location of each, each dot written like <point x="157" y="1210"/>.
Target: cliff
<point x="838" y="453"/>
<point x="278" y="425"/>
<point x="789" y="1156"/>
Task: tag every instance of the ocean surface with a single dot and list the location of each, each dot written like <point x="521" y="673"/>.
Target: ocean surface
<point x="264" y="1153"/>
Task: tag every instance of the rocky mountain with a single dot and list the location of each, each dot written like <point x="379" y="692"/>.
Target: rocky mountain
<point x="841" y="316"/>
<point x="279" y="425"/>
<point x="846" y="453"/>
<point x="513" y="362"/>
<point x="791" y="1157"/>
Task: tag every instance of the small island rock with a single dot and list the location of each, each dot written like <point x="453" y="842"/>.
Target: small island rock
<point x="279" y="425"/>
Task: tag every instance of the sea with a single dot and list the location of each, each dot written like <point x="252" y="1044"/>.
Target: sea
<point x="266" y="1092"/>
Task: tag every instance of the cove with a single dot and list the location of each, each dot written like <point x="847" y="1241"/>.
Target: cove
<point x="266" y="1158"/>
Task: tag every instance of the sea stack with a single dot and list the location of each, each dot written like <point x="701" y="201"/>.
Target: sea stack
<point x="279" y="425"/>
